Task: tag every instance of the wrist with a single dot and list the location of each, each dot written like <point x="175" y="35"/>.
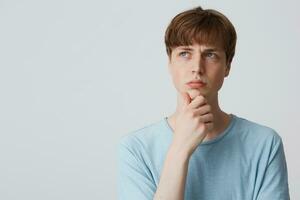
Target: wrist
<point x="179" y="152"/>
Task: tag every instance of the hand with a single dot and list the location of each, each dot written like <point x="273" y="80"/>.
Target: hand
<point x="192" y="123"/>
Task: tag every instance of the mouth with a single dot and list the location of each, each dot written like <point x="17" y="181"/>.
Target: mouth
<point x="196" y="84"/>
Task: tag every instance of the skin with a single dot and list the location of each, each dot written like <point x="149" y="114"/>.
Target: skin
<point x="198" y="116"/>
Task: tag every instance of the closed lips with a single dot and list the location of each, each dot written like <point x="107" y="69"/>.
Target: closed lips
<point x="196" y="82"/>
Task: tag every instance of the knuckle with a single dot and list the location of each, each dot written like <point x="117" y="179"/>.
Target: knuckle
<point x="200" y="119"/>
<point x="190" y="114"/>
<point x="193" y="114"/>
<point x="208" y="108"/>
<point x="202" y="99"/>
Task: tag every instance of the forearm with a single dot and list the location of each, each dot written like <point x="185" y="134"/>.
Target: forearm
<point x="173" y="177"/>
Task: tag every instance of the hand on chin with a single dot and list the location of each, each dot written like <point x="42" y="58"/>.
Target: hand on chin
<point x="193" y="93"/>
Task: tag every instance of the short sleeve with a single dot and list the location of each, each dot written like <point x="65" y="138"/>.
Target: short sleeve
<point x="134" y="178"/>
<point x="275" y="181"/>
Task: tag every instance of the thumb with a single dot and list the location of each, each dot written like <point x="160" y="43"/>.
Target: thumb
<point x="185" y="99"/>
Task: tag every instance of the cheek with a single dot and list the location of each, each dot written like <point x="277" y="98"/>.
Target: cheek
<point x="218" y="81"/>
<point x="177" y="78"/>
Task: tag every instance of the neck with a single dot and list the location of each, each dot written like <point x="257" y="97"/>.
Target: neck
<point x="221" y="119"/>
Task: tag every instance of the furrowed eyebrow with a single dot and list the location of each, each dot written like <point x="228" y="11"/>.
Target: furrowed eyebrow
<point x="205" y="50"/>
<point x="185" y="48"/>
<point x="211" y="50"/>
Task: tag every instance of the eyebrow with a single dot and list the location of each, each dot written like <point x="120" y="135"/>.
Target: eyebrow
<point x="209" y="49"/>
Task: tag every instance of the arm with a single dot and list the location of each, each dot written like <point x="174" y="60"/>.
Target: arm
<point x="191" y="126"/>
<point x="135" y="179"/>
<point x="173" y="177"/>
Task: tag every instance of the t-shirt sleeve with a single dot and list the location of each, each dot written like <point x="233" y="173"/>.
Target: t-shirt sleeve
<point x="275" y="181"/>
<point x="134" y="178"/>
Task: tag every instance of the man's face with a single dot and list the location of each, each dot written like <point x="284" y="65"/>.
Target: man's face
<point x="198" y="62"/>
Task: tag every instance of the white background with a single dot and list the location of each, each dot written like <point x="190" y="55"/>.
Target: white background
<point x="75" y="76"/>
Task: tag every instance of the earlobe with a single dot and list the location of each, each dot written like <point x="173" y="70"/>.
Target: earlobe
<point x="169" y="66"/>
<point x="227" y="70"/>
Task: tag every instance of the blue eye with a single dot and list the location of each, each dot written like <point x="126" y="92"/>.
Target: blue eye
<point x="210" y="55"/>
<point x="183" y="53"/>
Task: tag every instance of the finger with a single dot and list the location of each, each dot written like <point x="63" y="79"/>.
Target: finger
<point x="184" y="100"/>
<point x="202" y="110"/>
<point x="197" y="102"/>
<point x="206" y="118"/>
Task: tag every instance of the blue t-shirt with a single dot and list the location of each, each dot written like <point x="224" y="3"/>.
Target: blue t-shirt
<point x="245" y="162"/>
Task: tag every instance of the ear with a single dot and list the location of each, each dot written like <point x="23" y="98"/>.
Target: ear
<point x="227" y="70"/>
<point x="169" y="65"/>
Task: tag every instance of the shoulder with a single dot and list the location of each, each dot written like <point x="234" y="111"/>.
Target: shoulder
<point x="254" y="133"/>
<point x="146" y="136"/>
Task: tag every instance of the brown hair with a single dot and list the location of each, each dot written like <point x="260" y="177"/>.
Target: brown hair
<point x="201" y="26"/>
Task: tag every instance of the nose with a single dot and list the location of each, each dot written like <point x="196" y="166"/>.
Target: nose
<point x="198" y="66"/>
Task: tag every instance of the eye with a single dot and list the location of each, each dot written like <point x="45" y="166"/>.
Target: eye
<point x="210" y="55"/>
<point x="183" y="54"/>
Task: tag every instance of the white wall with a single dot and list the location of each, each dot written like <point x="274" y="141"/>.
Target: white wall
<point x="75" y="76"/>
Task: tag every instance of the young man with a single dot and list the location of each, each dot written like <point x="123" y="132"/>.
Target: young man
<point x="201" y="152"/>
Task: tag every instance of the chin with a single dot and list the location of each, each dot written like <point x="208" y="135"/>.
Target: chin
<point x="194" y="93"/>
